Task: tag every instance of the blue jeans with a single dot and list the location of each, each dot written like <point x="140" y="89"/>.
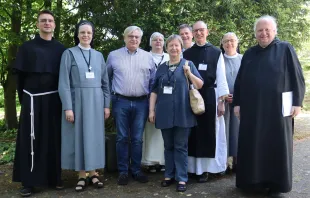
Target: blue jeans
<point x="176" y="147"/>
<point x="130" y="117"/>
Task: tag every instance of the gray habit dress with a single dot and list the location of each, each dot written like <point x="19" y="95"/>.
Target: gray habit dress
<point x="232" y="65"/>
<point x="83" y="142"/>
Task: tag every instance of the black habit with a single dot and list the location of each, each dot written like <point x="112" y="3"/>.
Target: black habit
<point x="265" y="147"/>
<point x="202" y="139"/>
<point x="37" y="69"/>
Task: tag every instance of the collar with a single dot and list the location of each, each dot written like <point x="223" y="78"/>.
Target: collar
<point x="127" y="50"/>
<point x="276" y="40"/>
<point x="183" y="49"/>
<point x="233" y="56"/>
<point x="202" y="45"/>
<point x="155" y="54"/>
<point x="84" y="48"/>
<point x="43" y="41"/>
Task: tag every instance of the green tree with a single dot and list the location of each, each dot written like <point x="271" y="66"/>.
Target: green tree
<point x="18" y="19"/>
<point x="111" y="17"/>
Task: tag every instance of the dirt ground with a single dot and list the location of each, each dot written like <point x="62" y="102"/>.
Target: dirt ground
<point x="218" y="186"/>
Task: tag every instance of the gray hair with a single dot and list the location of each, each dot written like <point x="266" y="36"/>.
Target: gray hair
<point x="183" y="26"/>
<point x="266" y="18"/>
<point x="130" y="29"/>
<point x="174" y="37"/>
<point x="203" y="23"/>
<point x="230" y="34"/>
<point x="155" y="35"/>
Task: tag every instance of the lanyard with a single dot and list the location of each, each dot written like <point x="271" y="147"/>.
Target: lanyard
<point x="162" y="58"/>
<point x="172" y="72"/>
<point x="88" y="63"/>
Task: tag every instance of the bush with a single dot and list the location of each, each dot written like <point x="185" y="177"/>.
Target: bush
<point x="7" y="152"/>
<point x="7" y="146"/>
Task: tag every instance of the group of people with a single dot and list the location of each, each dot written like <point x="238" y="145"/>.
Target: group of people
<point x="65" y="96"/>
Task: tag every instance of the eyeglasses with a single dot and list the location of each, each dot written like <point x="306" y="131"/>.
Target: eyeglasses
<point x="46" y="20"/>
<point x="229" y="40"/>
<point x="199" y="30"/>
<point x="156" y="39"/>
<point x="132" y="37"/>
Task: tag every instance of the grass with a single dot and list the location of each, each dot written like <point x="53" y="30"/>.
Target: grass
<point x="306" y="103"/>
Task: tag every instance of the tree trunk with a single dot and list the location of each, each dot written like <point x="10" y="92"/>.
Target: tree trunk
<point x="9" y="85"/>
<point x="48" y="4"/>
<point x="9" y="101"/>
<point x="58" y="19"/>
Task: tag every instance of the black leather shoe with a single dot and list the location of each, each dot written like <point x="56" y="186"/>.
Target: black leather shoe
<point x="166" y="183"/>
<point x="202" y="178"/>
<point x="181" y="187"/>
<point x="273" y="193"/>
<point x="122" y="179"/>
<point x="26" y="191"/>
<point x="140" y="177"/>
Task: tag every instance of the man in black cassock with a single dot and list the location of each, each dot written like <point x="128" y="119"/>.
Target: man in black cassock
<point x="207" y="148"/>
<point x="265" y="149"/>
<point x="37" y="155"/>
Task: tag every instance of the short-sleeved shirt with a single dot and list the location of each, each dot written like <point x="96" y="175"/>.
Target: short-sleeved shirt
<point x="173" y="109"/>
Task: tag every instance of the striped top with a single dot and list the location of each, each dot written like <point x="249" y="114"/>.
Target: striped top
<point x="131" y="74"/>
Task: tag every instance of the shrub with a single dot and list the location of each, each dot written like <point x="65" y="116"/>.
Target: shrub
<point x="7" y="146"/>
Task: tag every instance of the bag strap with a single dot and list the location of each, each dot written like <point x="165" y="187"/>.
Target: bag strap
<point x="187" y="80"/>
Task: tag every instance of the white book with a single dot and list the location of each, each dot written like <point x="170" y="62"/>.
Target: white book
<point x="287" y="103"/>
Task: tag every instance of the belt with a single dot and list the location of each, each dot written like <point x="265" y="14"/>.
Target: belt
<point x="32" y="120"/>
<point x="130" y="97"/>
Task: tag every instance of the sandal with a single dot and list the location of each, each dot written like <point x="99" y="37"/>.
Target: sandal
<point x="97" y="184"/>
<point x="80" y="187"/>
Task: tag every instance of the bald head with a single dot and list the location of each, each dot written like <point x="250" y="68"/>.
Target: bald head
<point x="200" y="24"/>
<point x="200" y="32"/>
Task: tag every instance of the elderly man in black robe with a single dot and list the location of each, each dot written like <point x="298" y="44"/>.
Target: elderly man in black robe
<point x="37" y="155"/>
<point x="270" y="80"/>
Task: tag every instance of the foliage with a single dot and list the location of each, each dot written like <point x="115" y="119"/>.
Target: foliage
<point x="111" y="17"/>
<point x="7" y="146"/>
<point x="2" y="99"/>
<point x="7" y="151"/>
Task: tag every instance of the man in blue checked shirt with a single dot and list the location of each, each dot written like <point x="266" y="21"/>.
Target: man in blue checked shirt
<point x="131" y="72"/>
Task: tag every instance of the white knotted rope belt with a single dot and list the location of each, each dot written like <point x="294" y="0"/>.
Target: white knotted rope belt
<point x="32" y="119"/>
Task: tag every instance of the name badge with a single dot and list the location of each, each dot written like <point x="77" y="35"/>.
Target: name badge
<point x="167" y="90"/>
<point x="203" y="67"/>
<point x="90" y="75"/>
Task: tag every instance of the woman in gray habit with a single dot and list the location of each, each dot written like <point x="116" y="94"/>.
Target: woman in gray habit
<point x="85" y="97"/>
<point x="232" y="58"/>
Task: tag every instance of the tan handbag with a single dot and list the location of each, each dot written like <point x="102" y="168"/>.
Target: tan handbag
<point x="196" y="100"/>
